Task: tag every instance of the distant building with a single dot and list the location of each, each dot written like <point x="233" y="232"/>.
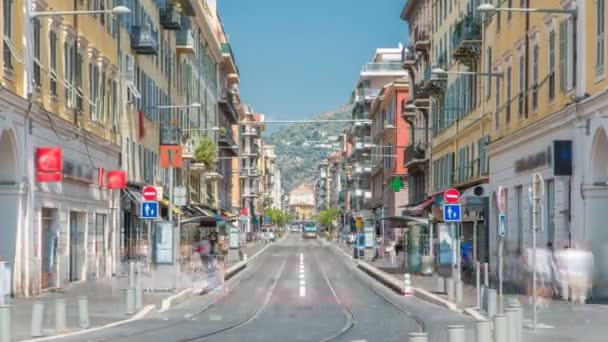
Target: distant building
<point x="302" y="202"/>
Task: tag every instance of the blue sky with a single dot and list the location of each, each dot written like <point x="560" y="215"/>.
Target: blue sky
<point x="300" y="58"/>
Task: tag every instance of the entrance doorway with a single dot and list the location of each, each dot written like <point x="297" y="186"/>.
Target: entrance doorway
<point x="77" y="246"/>
<point x="49" y="235"/>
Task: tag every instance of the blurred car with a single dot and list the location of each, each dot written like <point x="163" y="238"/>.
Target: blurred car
<point x="268" y="234"/>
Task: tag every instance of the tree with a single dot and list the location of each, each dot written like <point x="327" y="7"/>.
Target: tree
<point x="277" y="217"/>
<point x="327" y="217"/>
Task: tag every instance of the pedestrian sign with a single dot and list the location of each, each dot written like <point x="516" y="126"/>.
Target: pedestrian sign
<point x="502" y="224"/>
<point x="451" y="213"/>
<point x="148" y="210"/>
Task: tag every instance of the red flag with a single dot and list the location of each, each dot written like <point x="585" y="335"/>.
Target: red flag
<point x="141" y="125"/>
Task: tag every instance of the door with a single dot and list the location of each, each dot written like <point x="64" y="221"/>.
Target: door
<point x="48" y="272"/>
<point x="77" y="247"/>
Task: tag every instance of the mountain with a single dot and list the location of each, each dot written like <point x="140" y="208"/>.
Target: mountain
<point x="301" y="147"/>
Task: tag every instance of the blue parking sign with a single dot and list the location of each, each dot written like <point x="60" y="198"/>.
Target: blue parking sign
<point x="451" y="213"/>
<point x="267" y="219"/>
<point x="148" y="210"/>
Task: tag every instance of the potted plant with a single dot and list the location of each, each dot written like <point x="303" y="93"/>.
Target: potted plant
<point x="206" y="151"/>
<point x="222" y="131"/>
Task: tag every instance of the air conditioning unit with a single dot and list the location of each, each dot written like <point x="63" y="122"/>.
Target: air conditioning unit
<point x="482" y="190"/>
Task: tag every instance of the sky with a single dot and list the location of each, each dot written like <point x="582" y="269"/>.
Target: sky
<point x="299" y="58"/>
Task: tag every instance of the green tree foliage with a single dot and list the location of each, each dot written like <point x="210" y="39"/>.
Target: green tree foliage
<point x="327" y="217"/>
<point x="206" y="151"/>
<point x="277" y="217"/>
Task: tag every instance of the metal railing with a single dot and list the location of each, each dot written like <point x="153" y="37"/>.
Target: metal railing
<point x="467" y="29"/>
<point x="382" y="66"/>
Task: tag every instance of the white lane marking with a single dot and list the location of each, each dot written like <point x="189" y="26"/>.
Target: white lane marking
<point x="302" y="291"/>
<point x="302" y="282"/>
<point x="215" y="317"/>
<point x="302" y="275"/>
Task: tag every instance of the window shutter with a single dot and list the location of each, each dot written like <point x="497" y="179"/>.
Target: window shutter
<point x="563" y="51"/>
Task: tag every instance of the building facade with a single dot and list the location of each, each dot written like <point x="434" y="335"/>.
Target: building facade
<point x="302" y="203"/>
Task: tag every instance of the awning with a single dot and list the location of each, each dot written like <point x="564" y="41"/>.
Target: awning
<point x="227" y="214"/>
<point x="199" y="219"/>
<point x="407" y="219"/>
<point x="133" y="194"/>
<point x="176" y="210"/>
<point x="203" y="210"/>
<point x="418" y="210"/>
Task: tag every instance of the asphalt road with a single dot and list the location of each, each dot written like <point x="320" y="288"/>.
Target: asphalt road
<point x="297" y="290"/>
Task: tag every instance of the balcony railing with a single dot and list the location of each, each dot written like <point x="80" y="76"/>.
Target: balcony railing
<point x="364" y="143"/>
<point x="249" y="172"/>
<point x="249" y="130"/>
<point x="189" y="146"/>
<point x="382" y="67"/>
<point x="422" y="37"/>
<point x="466" y="40"/>
<point x="170" y="18"/>
<point x="408" y="56"/>
<point x="366" y="94"/>
<point x="227" y="139"/>
<point x="184" y="41"/>
<point x="144" y="40"/>
<point x="227" y="49"/>
<point x="413" y="155"/>
<point x="420" y="94"/>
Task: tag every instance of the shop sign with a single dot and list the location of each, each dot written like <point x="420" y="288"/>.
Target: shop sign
<point x="78" y="172"/>
<point x="169" y="135"/>
<point x="117" y="179"/>
<point x="163" y="243"/>
<point x="49" y="164"/>
<point x="533" y="161"/>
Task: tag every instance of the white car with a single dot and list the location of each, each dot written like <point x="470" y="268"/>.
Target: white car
<point x="268" y="234"/>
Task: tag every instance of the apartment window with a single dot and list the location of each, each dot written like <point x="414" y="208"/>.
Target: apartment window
<point x="566" y="58"/>
<point x="550" y="210"/>
<point x="508" y="97"/>
<point x="519" y="205"/>
<point x="551" y="53"/>
<point x="535" y="57"/>
<point x="497" y="103"/>
<point x="599" y="37"/>
<point x="114" y="105"/>
<point x="7" y="19"/>
<point x="37" y="71"/>
<point x="53" y="62"/>
<point x="522" y="86"/>
<point x="509" y="5"/>
<point x="481" y="155"/>
<point x="93" y="91"/>
<point x="79" y="75"/>
<point x="488" y="68"/>
<point x="472" y="161"/>
<point x="68" y="73"/>
<point x="101" y="108"/>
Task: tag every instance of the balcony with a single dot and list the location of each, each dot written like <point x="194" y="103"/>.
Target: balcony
<point x="249" y="130"/>
<point x="365" y="193"/>
<point x="360" y="170"/>
<point x="409" y="114"/>
<point x="421" y="95"/>
<point x="422" y="38"/>
<point x="227" y="142"/>
<point x="230" y="63"/>
<point x="189" y="145"/>
<point x="184" y="41"/>
<point x="382" y="68"/>
<point x="366" y="94"/>
<point x="170" y="18"/>
<point x="253" y="151"/>
<point x="249" y="173"/>
<point x="364" y="144"/>
<point x="434" y="84"/>
<point x="414" y="155"/>
<point x="227" y="104"/>
<point x="408" y="58"/>
<point x="251" y="194"/>
<point x="144" y="40"/>
<point x="466" y="40"/>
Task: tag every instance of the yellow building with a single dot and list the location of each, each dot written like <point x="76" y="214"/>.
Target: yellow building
<point x="549" y="121"/>
<point x="302" y="202"/>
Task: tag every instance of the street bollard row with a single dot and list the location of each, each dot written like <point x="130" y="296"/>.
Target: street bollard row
<point x="134" y="294"/>
<point x="38" y="311"/>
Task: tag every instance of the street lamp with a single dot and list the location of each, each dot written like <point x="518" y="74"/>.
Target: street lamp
<point x="192" y="105"/>
<point x="200" y="129"/>
<point x="117" y="10"/>
<point x="489" y="8"/>
<point x="439" y="71"/>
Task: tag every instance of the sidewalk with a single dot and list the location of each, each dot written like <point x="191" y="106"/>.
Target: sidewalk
<point x="106" y="301"/>
<point x="557" y="321"/>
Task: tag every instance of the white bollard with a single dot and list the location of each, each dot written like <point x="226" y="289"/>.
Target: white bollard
<point x="418" y="337"/>
<point x="456" y="333"/>
<point x="83" y="312"/>
<point x="407" y="285"/>
<point x="130" y="301"/>
<point x="478" y="284"/>
<point x="245" y="257"/>
<point x="60" y="315"/>
<point x="512" y="330"/>
<point x="500" y="328"/>
<point x="520" y="322"/>
<point x="483" y="331"/>
<point x="131" y="274"/>
<point x="5" y="323"/>
<point x="491" y="302"/>
<point x="450" y="289"/>
<point x="486" y="275"/>
<point x="440" y="285"/>
<point x="37" y="319"/>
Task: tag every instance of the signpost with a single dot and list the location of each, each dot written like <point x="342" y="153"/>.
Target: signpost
<point x="267" y="220"/>
<point x="149" y="193"/>
<point x="537" y="192"/>
<point x="179" y="196"/>
<point x="148" y="210"/>
<point x="501" y="199"/>
<point x="452" y="214"/>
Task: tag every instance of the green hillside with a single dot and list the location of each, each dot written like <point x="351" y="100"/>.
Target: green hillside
<point x="300" y="147"/>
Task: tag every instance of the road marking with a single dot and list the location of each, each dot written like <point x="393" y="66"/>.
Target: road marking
<point x="302" y="275"/>
<point x="302" y="281"/>
<point x="302" y="291"/>
<point x="215" y="317"/>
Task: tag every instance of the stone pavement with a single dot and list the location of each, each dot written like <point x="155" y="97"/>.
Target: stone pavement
<point x="106" y="301"/>
<point x="557" y="320"/>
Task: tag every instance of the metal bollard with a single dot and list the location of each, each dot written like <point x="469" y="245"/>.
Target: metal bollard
<point x="83" y="312"/>
<point x="418" y="337"/>
<point x="130" y="302"/>
<point x="60" y="315"/>
<point x="512" y="330"/>
<point x="5" y="323"/>
<point x="459" y="291"/>
<point x="483" y="331"/>
<point x="450" y="289"/>
<point x="37" y="319"/>
<point x="440" y="284"/>
<point x="131" y="274"/>
<point x="456" y="333"/>
<point x="491" y="302"/>
<point x="486" y="275"/>
<point x="478" y="283"/>
<point x="500" y="328"/>
<point x="520" y="322"/>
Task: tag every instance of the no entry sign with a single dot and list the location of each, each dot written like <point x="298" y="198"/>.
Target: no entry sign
<point x="451" y="195"/>
<point x="149" y="193"/>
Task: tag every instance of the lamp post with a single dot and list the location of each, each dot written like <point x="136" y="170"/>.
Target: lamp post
<point x="489" y="8"/>
<point x="117" y="10"/>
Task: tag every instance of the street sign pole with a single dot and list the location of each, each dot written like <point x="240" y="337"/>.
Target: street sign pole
<point x="501" y="199"/>
<point x="537" y="193"/>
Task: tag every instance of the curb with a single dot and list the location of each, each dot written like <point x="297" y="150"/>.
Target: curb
<point x="175" y="299"/>
<point x="143" y="312"/>
<point x="475" y="314"/>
